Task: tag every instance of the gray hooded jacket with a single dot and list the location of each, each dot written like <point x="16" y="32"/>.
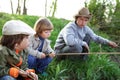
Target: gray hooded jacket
<point x="72" y="34"/>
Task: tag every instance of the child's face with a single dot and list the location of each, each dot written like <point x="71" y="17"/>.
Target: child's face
<point x="45" y="34"/>
<point x="82" y="21"/>
<point x="24" y="44"/>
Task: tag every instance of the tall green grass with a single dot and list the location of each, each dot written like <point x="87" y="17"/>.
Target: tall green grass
<point x="96" y="67"/>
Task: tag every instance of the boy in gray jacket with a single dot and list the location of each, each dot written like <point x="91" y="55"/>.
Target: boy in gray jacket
<point x="40" y="46"/>
<point x="75" y="36"/>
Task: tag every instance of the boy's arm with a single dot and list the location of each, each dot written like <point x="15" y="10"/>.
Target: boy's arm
<point x="97" y="38"/>
<point x="32" y="51"/>
<point x="4" y="69"/>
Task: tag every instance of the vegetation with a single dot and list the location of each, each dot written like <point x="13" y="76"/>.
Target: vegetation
<point x="96" y="67"/>
<point x="106" y="17"/>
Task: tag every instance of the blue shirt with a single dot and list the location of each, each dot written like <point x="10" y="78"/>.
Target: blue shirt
<point x="41" y="45"/>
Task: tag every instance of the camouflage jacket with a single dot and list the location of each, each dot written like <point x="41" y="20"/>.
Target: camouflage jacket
<point x="8" y="57"/>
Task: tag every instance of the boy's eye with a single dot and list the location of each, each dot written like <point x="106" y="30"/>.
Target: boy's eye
<point x="47" y="31"/>
<point x="26" y="37"/>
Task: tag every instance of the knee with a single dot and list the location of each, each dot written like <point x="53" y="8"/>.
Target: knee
<point x="31" y="60"/>
<point x="87" y="39"/>
<point x="48" y="60"/>
<point x="77" y="48"/>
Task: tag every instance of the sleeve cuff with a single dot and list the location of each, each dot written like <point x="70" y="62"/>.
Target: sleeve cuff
<point x="38" y="55"/>
<point x="14" y="72"/>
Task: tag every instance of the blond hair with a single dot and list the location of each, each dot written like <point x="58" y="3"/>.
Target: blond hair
<point x="42" y="24"/>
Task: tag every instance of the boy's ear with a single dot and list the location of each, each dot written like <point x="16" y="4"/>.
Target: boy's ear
<point x="16" y="46"/>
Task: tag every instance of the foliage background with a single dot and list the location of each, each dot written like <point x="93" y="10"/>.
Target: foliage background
<point x="105" y="22"/>
<point x="96" y="67"/>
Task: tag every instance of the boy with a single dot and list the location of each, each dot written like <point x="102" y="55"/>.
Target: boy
<point x="13" y="55"/>
<point x="76" y="35"/>
<point x="40" y="46"/>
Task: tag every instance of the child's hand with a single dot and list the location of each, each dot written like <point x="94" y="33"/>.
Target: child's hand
<point x="23" y="73"/>
<point x="31" y="75"/>
<point x="43" y="55"/>
<point x="52" y="55"/>
<point x="112" y="44"/>
<point x="35" y="77"/>
<point x="87" y="47"/>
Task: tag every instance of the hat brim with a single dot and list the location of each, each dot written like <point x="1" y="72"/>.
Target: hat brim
<point x="87" y="16"/>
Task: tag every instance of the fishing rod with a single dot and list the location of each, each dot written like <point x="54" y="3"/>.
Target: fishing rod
<point x="23" y="71"/>
<point x="69" y="54"/>
<point x="86" y="53"/>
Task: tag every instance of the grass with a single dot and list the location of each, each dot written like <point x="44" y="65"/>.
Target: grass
<point x="96" y="67"/>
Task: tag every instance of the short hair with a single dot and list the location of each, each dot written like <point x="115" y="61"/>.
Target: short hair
<point x="42" y="24"/>
<point x="10" y="40"/>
